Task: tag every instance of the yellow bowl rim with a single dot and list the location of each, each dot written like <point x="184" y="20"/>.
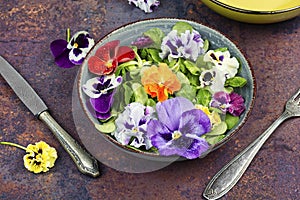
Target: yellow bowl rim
<point x="247" y="11"/>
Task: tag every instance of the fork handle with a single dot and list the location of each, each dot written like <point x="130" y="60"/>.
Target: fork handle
<point x="230" y="174"/>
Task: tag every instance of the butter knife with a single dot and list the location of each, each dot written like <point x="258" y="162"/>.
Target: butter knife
<point x="86" y="163"/>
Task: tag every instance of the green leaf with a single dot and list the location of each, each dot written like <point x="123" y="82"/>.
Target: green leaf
<point x="140" y="94"/>
<point x="181" y="65"/>
<point x="107" y="127"/>
<point x="203" y="97"/>
<point x="206" y="45"/>
<point x="118" y="103"/>
<point x="128" y="93"/>
<point x="192" y="67"/>
<point x="200" y="62"/>
<point x="182" y="78"/>
<point x="236" y="81"/>
<point x="150" y="102"/>
<point x="187" y="91"/>
<point x="231" y="121"/>
<point x="181" y="27"/>
<point x="214" y="139"/>
<point x="222" y="49"/>
<point x="194" y="79"/>
<point x="229" y="89"/>
<point x="219" y="129"/>
<point x="153" y="54"/>
<point x="156" y="36"/>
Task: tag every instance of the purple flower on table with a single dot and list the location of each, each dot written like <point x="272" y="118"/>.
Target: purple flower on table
<point x="179" y="128"/>
<point x="101" y="92"/>
<point x="188" y="45"/>
<point x="68" y="54"/>
<point x="132" y="125"/>
<point x="233" y="103"/>
<point x="146" y="5"/>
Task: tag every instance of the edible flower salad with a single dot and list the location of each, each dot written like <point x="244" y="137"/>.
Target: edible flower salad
<point x="165" y="93"/>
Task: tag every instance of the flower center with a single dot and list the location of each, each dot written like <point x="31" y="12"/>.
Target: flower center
<point x="135" y="130"/>
<point x="75" y="45"/>
<point x="109" y="64"/>
<point x="176" y="135"/>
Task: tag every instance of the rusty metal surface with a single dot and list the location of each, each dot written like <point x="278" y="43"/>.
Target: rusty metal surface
<point x="28" y="27"/>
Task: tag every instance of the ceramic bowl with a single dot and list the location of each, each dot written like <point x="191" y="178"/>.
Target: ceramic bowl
<point x="256" y="11"/>
<point x="130" y="32"/>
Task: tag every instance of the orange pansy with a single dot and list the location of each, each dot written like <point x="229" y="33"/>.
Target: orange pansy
<point x="160" y="81"/>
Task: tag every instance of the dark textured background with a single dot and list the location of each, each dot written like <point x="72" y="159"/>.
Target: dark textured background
<point x="28" y="27"/>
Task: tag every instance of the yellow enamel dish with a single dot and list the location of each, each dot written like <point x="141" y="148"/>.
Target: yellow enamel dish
<point x="256" y="11"/>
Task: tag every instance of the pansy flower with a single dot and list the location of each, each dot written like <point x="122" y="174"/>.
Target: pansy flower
<point x="142" y="42"/>
<point x="39" y="157"/>
<point x="213" y="116"/>
<point x="101" y="92"/>
<point x="233" y="103"/>
<point x="108" y="56"/>
<point x="179" y="128"/>
<point x="160" y="81"/>
<point x="188" y="45"/>
<point x="223" y="61"/>
<point x="132" y="125"/>
<point x="213" y="78"/>
<point x="147" y="6"/>
<point x="68" y="54"/>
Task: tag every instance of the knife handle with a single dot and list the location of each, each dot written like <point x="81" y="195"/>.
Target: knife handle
<point x="86" y="163"/>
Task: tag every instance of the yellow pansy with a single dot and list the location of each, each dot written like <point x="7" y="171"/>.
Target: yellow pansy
<point x="214" y="117"/>
<point x="39" y="157"/>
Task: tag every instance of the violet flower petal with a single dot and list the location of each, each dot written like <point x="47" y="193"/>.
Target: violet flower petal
<point x="103" y="103"/>
<point x="57" y="47"/>
<point x="237" y="106"/>
<point x="60" y="52"/>
<point x="196" y="149"/>
<point x="95" y="113"/>
<point x="221" y="101"/>
<point x="194" y="122"/>
<point x="63" y="60"/>
<point x="142" y="42"/>
<point x="97" y="86"/>
<point x="170" y="111"/>
<point x="154" y="128"/>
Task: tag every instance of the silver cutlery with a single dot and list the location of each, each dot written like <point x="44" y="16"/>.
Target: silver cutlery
<point x="86" y="163"/>
<point x="230" y="174"/>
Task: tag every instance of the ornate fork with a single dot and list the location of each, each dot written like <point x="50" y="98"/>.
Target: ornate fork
<point x="229" y="175"/>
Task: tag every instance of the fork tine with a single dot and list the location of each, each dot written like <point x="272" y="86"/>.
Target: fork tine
<point x="294" y="97"/>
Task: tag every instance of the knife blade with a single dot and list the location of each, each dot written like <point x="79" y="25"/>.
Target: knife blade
<point x="86" y="163"/>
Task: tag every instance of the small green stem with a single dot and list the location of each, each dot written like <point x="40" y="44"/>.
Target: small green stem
<point x="14" y="145"/>
<point x="68" y="34"/>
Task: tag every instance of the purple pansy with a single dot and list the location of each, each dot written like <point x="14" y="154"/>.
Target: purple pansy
<point x="146" y="5"/>
<point x="132" y="125"/>
<point x="142" y="42"/>
<point x="188" y="45"/>
<point x="233" y="103"/>
<point x="68" y="54"/>
<point x="101" y="92"/>
<point x="179" y="128"/>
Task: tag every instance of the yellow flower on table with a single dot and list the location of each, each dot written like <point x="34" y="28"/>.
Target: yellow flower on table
<point x="39" y="157"/>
